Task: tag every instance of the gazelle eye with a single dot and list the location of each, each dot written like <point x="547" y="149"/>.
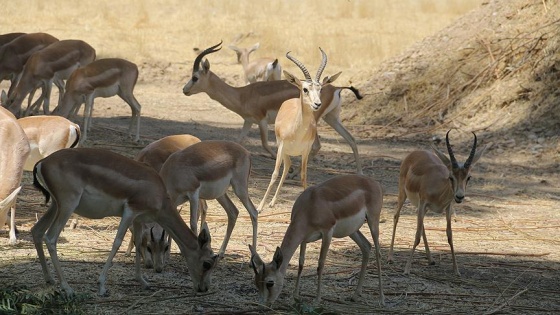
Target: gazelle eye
<point x="194" y="79"/>
<point x="269" y="284"/>
<point x="305" y="90"/>
<point x="149" y="250"/>
<point x="468" y="178"/>
<point x="206" y="265"/>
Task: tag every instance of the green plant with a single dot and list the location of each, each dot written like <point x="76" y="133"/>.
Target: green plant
<point x="18" y="299"/>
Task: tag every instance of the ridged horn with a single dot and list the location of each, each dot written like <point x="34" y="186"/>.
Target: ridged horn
<point x="152" y="234"/>
<point x="300" y="65"/>
<point x="322" y="66"/>
<point x="473" y="151"/>
<point x="162" y="236"/>
<point x="205" y="52"/>
<point x="454" y="163"/>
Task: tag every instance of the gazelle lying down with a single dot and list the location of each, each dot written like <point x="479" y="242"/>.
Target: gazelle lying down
<point x="97" y="183"/>
<point x="337" y="208"/>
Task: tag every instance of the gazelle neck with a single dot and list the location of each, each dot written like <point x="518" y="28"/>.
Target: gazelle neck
<point x="292" y="239"/>
<point x="222" y="92"/>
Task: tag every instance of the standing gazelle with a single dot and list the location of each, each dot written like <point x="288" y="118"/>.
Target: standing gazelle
<point x="97" y="183"/>
<point x="433" y="181"/>
<point x="295" y="125"/>
<point x="337" y="207"/>
<point x="261" y="69"/>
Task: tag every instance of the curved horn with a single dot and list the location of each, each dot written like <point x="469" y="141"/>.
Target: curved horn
<point x="473" y="151"/>
<point x="454" y="163"/>
<point x="205" y="52"/>
<point x="152" y="234"/>
<point x="162" y="236"/>
<point x="263" y="269"/>
<point x="300" y="65"/>
<point x="322" y="66"/>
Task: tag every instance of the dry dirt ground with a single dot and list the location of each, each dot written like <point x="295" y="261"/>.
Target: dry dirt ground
<point x="506" y="233"/>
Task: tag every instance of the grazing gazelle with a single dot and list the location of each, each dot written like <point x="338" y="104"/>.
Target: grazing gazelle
<point x="14" y="153"/>
<point x="259" y="102"/>
<point x="53" y="63"/>
<point x="14" y="54"/>
<point x="155" y="250"/>
<point x="97" y="183"/>
<point x="261" y="69"/>
<point x="337" y="208"/>
<point x="101" y="78"/>
<point x="206" y="170"/>
<point x="295" y="126"/>
<point x="430" y="180"/>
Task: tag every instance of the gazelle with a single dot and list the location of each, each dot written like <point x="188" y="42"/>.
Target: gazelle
<point x="261" y="69"/>
<point x="48" y="134"/>
<point x="155" y="250"/>
<point x="15" y="150"/>
<point x="53" y="63"/>
<point x="206" y="170"/>
<point x="259" y="102"/>
<point x="97" y="183"/>
<point x="433" y="181"/>
<point x="14" y="54"/>
<point x="101" y="78"/>
<point x="336" y="208"/>
<point x="295" y="126"/>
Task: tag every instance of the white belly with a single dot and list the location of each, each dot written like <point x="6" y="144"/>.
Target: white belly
<point x="95" y="204"/>
<point x="349" y="225"/>
<point x="214" y="189"/>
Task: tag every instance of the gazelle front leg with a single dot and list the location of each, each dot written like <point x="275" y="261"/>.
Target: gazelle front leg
<point x="325" y="244"/>
<point x="448" y="214"/>
<point x="302" y="248"/>
<point x="419" y="231"/>
<point x="274" y="176"/>
<point x="263" y="129"/>
<point x="137" y="235"/>
<point x="287" y="164"/>
<point x="127" y="219"/>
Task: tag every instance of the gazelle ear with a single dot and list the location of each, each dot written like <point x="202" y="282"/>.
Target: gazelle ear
<point x="256" y="261"/>
<point x="442" y="157"/>
<point x="331" y="79"/>
<point x="278" y="257"/>
<point x="479" y="153"/>
<point x="292" y="79"/>
<point x="3" y="98"/>
<point x="255" y="47"/>
<point x="204" y="239"/>
<point x="205" y="66"/>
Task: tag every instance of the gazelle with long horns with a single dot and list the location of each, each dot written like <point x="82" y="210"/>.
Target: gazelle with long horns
<point x="259" y="102"/>
<point x="431" y="180"/>
<point x="295" y="126"/>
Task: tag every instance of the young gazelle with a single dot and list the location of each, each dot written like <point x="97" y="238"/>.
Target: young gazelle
<point x="206" y="170"/>
<point x="433" y="181"/>
<point x="337" y="208"/>
<point x="156" y="245"/>
<point x="48" y="134"/>
<point x="259" y="102"/>
<point x="14" y="153"/>
<point x="295" y="125"/>
<point x="97" y="183"/>
<point x="261" y="69"/>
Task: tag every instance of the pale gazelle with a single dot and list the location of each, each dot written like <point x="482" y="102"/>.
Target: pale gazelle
<point x="336" y="208"/>
<point x="97" y="183"/>
<point x="206" y="170"/>
<point x="430" y="180"/>
<point x="14" y="54"/>
<point x="53" y="63"/>
<point x="259" y="102"/>
<point x="48" y="134"/>
<point x="295" y="126"/>
<point x="14" y="152"/>
<point x="155" y="248"/>
<point x="101" y="78"/>
<point x="261" y="69"/>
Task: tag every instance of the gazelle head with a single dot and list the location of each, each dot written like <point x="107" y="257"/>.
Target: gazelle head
<point x="459" y="174"/>
<point x="269" y="280"/>
<point x="202" y="262"/>
<point x="200" y="72"/>
<point x="310" y="88"/>
<point x="243" y="53"/>
<point x="157" y="248"/>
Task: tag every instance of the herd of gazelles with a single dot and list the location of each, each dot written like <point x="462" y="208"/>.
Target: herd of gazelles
<point x="146" y="191"/>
